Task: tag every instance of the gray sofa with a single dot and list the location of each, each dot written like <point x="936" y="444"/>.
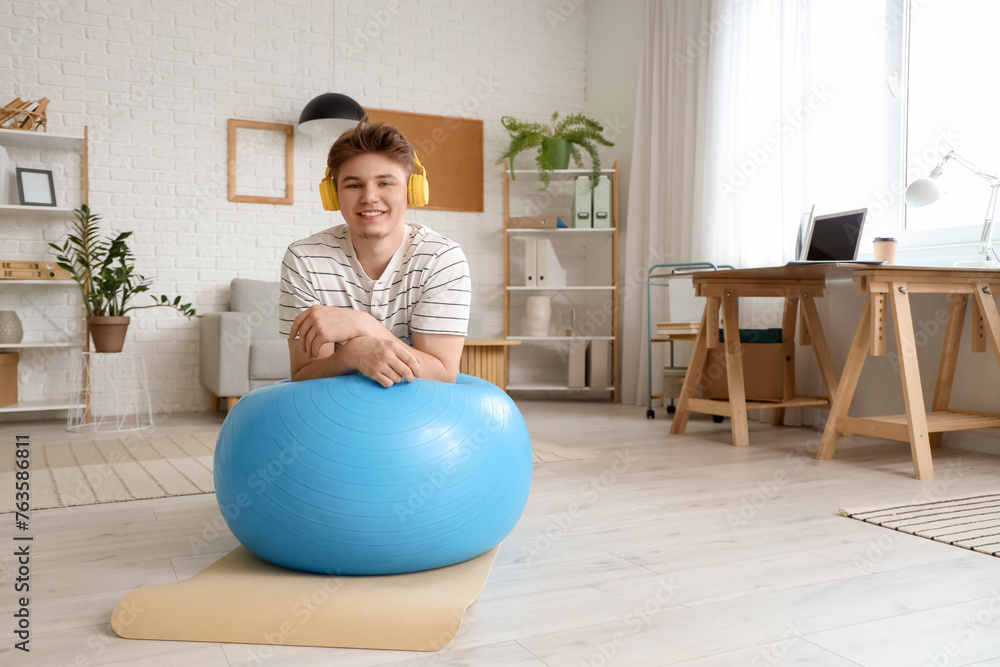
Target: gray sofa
<point x="242" y="349"/>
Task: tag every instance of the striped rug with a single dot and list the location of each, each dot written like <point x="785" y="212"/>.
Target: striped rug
<point x="971" y="522"/>
<point x="137" y="466"/>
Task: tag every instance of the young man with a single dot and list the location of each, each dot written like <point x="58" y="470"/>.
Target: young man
<point x="377" y="295"/>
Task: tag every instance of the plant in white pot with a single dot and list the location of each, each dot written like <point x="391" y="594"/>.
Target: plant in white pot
<point x="104" y="269"/>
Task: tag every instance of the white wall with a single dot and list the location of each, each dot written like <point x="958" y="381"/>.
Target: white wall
<point x="156" y="83"/>
<point x="613" y="49"/>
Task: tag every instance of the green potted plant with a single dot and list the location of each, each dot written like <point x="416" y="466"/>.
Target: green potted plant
<point x="104" y="269"/>
<point x="556" y="142"/>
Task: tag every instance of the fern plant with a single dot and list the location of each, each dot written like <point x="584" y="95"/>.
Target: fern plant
<point x="104" y="269"/>
<point x="576" y="129"/>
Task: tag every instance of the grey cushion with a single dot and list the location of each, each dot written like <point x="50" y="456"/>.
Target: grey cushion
<point x="225" y="353"/>
<point x="259" y="300"/>
<point x="269" y="360"/>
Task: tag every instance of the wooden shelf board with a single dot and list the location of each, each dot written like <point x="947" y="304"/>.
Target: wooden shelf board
<point x="716" y="406"/>
<point x="894" y="427"/>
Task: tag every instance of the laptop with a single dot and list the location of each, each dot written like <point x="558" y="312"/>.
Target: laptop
<point x="834" y="238"/>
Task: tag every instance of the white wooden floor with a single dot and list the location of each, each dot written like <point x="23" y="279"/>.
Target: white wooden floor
<point x="660" y="551"/>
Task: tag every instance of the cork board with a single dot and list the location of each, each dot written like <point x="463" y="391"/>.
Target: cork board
<point x="451" y="150"/>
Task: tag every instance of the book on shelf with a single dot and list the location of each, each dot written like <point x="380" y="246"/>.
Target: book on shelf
<point x="668" y="328"/>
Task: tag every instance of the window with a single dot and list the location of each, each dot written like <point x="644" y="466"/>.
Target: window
<point x="952" y="103"/>
<point x="872" y="94"/>
<point x="847" y="164"/>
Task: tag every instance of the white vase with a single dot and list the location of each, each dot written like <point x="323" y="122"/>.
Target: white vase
<point x="11" y="331"/>
<point x="539" y="315"/>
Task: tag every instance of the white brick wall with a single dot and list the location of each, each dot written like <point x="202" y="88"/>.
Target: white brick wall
<point x="156" y="83"/>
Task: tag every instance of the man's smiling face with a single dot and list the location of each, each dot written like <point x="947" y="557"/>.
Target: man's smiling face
<point x="372" y="193"/>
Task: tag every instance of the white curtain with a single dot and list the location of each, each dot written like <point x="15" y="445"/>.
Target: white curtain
<point x="716" y="172"/>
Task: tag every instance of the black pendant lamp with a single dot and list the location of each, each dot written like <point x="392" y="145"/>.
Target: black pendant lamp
<point x="330" y="115"/>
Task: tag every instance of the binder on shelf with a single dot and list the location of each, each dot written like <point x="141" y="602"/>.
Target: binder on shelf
<point x="530" y="263"/>
<point x="577" y="377"/>
<point x="12" y="269"/>
<point x="548" y="270"/>
<point x="583" y="207"/>
<point x="602" y="202"/>
<point x="599" y="364"/>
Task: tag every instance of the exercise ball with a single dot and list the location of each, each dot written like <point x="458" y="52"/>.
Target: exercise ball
<point x="343" y="476"/>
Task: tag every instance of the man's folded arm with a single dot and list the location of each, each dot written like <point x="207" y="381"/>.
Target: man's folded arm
<point x="439" y="355"/>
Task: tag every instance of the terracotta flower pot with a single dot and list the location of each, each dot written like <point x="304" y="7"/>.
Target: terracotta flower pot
<point x="108" y="333"/>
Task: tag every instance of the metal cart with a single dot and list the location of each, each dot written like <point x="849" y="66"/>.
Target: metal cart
<point x="664" y="272"/>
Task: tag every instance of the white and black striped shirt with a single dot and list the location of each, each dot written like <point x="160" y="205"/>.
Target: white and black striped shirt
<point x="426" y="287"/>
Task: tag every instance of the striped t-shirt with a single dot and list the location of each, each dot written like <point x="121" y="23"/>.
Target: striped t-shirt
<point x="426" y="287"/>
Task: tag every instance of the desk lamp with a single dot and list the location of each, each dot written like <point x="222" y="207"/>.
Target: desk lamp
<point x="924" y="191"/>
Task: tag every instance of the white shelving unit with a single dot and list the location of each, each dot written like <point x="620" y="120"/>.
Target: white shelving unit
<point x="592" y="272"/>
<point x="42" y="405"/>
<point x="48" y="404"/>
<point x="55" y="142"/>
<point x="36" y="209"/>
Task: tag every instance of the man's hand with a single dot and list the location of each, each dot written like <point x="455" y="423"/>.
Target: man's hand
<point x="336" y="341"/>
<point x="318" y="325"/>
<point x="383" y="360"/>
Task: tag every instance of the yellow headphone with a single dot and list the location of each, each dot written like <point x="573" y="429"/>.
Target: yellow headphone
<point x="417" y="190"/>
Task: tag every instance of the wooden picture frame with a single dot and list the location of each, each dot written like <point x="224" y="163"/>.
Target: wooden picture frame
<point x="289" y="131"/>
<point x="35" y="187"/>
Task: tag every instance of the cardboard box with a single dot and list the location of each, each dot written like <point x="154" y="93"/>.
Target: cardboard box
<point x="599" y="364"/>
<point x="763" y="372"/>
<point x="8" y="378"/>
<point x="673" y="381"/>
<point x="577" y="363"/>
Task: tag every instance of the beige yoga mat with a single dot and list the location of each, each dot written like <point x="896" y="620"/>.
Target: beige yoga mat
<point x="243" y="599"/>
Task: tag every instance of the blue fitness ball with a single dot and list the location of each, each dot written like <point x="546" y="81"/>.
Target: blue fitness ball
<point x="344" y="476"/>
